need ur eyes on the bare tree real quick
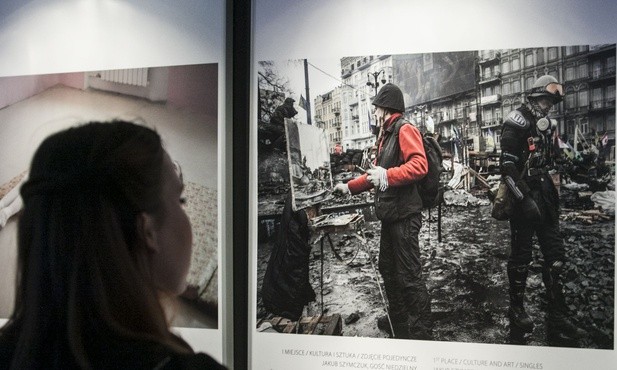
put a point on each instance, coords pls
(273, 88)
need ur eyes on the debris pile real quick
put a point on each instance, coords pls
(466, 277)
(463, 199)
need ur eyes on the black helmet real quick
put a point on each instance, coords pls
(289, 101)
(390, 96)
(547, 86)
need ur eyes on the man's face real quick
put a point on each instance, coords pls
(380, 115)
(545, 104)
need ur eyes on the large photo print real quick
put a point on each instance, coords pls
(464, 196)
(179, 103)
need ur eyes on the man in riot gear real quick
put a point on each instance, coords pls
(400, 164)
(528, 154)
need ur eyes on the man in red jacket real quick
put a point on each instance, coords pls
(400, 164)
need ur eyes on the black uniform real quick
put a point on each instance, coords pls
(527, 156)
(532, 152)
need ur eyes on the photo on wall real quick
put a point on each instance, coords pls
(178, 102)
(386, 264)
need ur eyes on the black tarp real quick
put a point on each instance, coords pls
(286, 288)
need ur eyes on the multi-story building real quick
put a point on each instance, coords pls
(362, 78)
(328, 117)
(588, 75)
(468, 111)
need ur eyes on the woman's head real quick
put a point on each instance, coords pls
(102, 231)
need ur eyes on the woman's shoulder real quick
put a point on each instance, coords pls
(145, 355)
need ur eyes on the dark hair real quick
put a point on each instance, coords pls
(83, 279)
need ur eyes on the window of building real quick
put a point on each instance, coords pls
(584, 125)
(570, 73)
(539, 56)
(487, 72)
(497, 89)
(529, 82)
(505, 88)
(570, 101)
(597, 123)
(570, 128)
(506, 108)
(488, 91)
(610, 65)
(583, 98)
(488, 116)
(583, 72)
(516, 87)
(596, 69)
(596, 98)
(552, 53)
(516, 64)
(505, 67)
(529, 60)
(570, 50)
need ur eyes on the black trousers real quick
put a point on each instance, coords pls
(401, 269)
(546, 229)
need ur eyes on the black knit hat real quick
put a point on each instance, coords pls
(390, 96)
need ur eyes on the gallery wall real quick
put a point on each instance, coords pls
(191, 87)
(55, 37)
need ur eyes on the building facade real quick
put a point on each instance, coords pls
(328, 117)
(587, 73)
(362, 77)
(469, 120)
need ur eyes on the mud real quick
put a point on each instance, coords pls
(465, 275)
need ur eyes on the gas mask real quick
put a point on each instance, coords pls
(546, 125)
(539, 108)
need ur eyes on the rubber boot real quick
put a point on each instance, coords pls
(519, 320)
(561, 331)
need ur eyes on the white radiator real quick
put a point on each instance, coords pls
(134, 76)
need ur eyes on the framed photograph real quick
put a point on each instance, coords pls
(323, 299)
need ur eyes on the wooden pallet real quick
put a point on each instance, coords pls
(312, 325)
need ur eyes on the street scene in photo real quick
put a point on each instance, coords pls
(334, 285)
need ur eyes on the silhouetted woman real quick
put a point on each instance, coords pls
(102, 237)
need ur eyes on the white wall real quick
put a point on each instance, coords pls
(50, 36)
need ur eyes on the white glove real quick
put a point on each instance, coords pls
(341, 188)
(378, 176)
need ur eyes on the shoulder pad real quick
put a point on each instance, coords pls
(516, 119)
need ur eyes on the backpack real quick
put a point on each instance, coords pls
(429, 187)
